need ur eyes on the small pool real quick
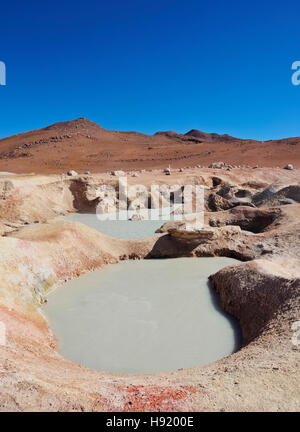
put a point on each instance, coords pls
(144, 316)
(125, 229)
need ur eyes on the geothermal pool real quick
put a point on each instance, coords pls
(144, 316)
(124, 229)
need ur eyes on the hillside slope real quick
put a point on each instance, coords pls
(83, 145)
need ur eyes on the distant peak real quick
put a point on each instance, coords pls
(80, 122)
(170, 134)
(210, 136)
(197, 134)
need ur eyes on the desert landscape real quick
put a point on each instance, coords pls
(83, 145)
(251, 214)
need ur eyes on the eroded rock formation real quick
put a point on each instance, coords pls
(40, 252)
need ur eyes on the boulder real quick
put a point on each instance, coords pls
(184, 232)
(137, 217)
(72, 173)
(192, 233)
(220, 165)
(118, 173)
(167, 226)
(216, 203)
(289, 167)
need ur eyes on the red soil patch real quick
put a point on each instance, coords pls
(155, 398)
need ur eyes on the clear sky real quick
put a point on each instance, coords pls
(218, 66)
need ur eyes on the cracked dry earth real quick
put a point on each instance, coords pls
(39, 251)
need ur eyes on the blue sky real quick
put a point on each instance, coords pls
(222, 66)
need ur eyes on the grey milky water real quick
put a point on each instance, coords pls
(125, 229)
(144, 316)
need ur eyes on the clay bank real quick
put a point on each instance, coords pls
(251, 215)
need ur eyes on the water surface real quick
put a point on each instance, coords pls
(144, 316)
(124, 229)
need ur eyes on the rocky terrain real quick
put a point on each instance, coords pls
(250, 214)
(83, 145)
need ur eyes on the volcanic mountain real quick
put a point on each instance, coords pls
(83, 145)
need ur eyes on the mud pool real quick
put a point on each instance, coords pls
(126, 229)
(144, 316)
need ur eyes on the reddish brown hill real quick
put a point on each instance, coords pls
(83, 145)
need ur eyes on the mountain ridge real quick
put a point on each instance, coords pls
(81, 144)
